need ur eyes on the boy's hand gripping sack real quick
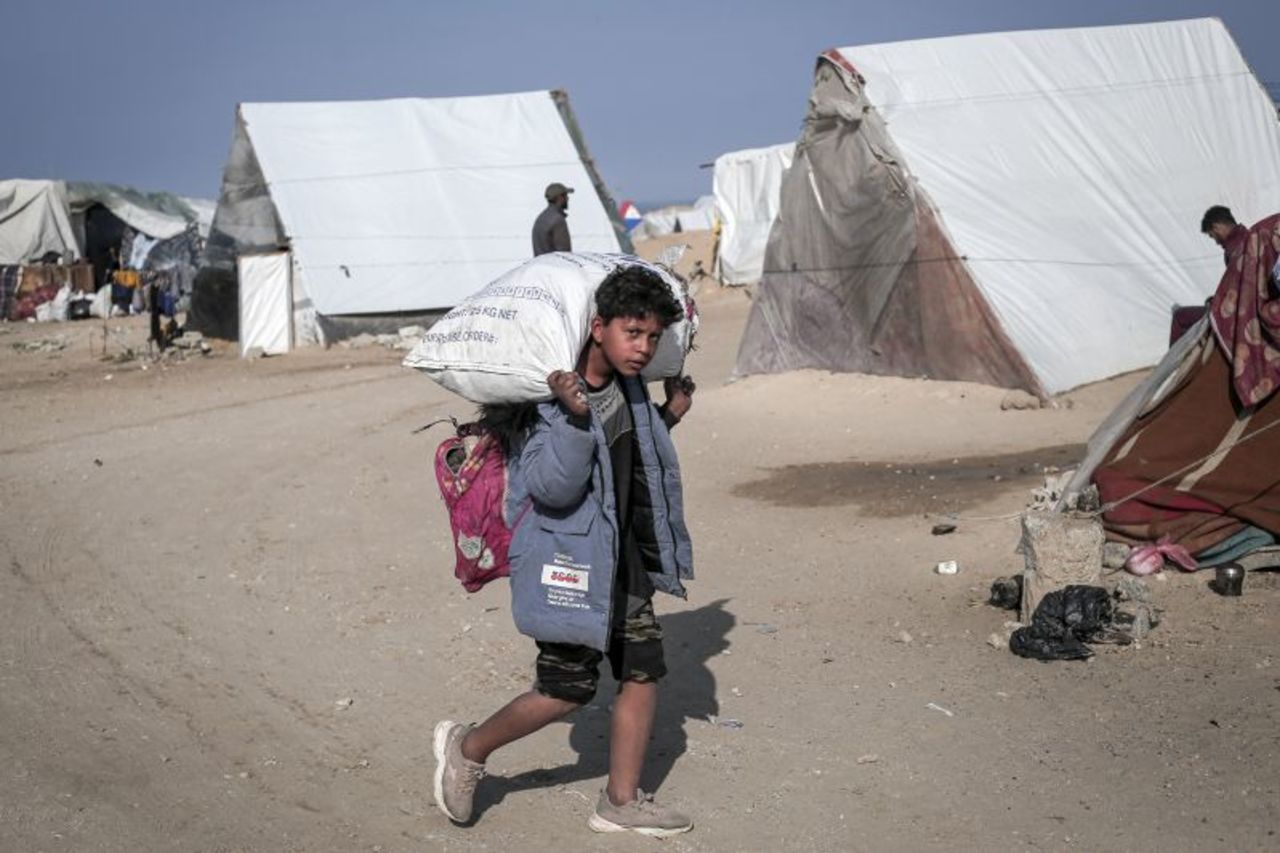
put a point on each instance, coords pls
(500, 344)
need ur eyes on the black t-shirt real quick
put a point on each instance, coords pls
(611, 409)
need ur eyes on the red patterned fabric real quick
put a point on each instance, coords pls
(1245, 311)
(472, 475)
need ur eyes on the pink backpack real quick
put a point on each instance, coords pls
(472, 472)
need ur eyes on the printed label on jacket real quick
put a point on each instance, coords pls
(566, 585)
(565, 577)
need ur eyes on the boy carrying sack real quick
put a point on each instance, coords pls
(596, 510)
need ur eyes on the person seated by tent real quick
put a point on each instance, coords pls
(551, 229)
(1196, 468)
(1245, 309)
(1221, 226)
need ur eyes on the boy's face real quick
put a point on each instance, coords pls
(628, 343)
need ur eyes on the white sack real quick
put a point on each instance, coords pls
(57, 309)
(499, 345)
(101, 306)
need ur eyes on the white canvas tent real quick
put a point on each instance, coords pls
(747, 185)
(35, 219)
(1019, 208)
(40, 216)
(657, 223)
(700, 217)
(677, 218)
(395, 207)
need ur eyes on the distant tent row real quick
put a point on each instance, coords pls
(77, 220)
(747, 186)
(677, 219)
(1018, 209)
(377, 211)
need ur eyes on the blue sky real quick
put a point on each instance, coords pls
(144, 92)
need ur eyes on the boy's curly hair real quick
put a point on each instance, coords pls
(634, 291)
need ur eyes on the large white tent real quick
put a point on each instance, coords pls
(747, 185)
(395, 206)
(1013, 208)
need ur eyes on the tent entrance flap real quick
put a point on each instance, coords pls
(266, 303)
(859, 273)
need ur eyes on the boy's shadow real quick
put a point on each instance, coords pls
(690, 639)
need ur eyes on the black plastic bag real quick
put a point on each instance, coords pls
(1006, 593)
(1064, 621)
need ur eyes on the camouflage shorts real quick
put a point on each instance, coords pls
(572, 672)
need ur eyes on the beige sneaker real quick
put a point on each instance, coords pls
(641, 815)
(456, 776)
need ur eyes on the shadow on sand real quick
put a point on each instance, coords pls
(690, 639)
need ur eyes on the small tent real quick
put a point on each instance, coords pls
(1018, 209)
(678, 218)
(700, 217)
(389, 209)
(1190, 456)
(35, 220)
(747, 185)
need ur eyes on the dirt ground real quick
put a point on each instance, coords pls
(229, 623)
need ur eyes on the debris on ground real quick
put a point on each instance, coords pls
(1150, 559)
(1006, 593)
(943, 529)
(1135, 612)
(52, 344)
(1046, 497)
(1087, 500)
(405, 339)
(359, 341)
(1064, 621)
(947, 567)
(123, 357)
(1115, 555)
(1020, 401)
(191, 341)
(1228, 580)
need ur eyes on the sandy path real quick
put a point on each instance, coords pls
(184, 622)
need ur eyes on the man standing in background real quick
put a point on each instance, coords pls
(551, 228)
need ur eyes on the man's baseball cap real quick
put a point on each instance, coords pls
(556, 189)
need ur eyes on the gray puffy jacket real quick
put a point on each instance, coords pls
(561, 506)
